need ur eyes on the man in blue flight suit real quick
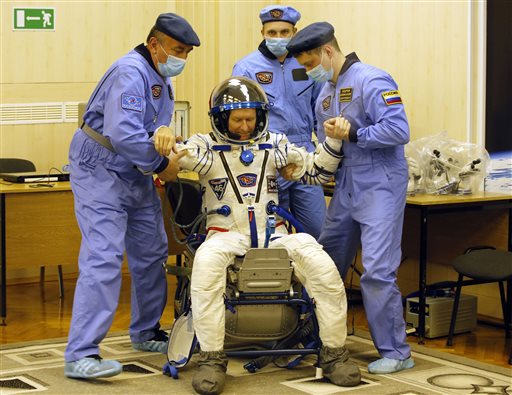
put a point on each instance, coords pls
(112, 159)
(292, 95)
(369, 199)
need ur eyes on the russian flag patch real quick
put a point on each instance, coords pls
(392, 97)
(131, 102)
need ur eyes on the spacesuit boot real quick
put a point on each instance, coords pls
(337, 367)
(210, 378)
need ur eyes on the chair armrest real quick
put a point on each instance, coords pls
(475, 248)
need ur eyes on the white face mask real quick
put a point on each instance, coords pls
(319, 73)
(277, 45)
(172, 67)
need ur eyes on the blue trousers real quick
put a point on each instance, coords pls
(305, 202)
(117, 212)
(367, 209)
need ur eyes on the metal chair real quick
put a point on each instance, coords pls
(17, 165)
(484, 265)
(273, 311)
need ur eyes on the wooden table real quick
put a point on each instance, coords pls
(428, 205)
(38, 228)
(438, 204)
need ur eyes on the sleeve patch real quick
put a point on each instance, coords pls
(392, 97)
(131, 102)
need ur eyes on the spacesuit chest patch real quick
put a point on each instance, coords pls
(218, 186)
(131, 102)
(264, 77)
(247, 180)
(271, 184)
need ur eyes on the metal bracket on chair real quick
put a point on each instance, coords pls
(178, 271)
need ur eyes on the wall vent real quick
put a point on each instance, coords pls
(37, 113)
(32, 113)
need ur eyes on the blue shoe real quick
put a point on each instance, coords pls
(92, 367)
(157, 344)
(387, 365)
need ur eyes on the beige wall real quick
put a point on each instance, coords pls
(423, 45)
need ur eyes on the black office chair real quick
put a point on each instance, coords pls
(17, 165)
(484, 265)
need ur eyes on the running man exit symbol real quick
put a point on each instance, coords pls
(34, 19)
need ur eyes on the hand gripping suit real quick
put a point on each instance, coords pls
(292, 95)
(116, 205)
(369, 199)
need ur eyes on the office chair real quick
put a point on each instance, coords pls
(17, 165)
(484, 265)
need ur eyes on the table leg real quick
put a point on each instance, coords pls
(3, 307)
(423, 273)
(510, 229)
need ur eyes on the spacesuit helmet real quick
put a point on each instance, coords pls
(238, 93)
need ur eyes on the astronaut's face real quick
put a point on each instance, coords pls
(242, 121)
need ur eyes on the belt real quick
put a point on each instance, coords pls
(96, 136)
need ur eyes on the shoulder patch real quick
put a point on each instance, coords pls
(392, 97)
(345, 95)
(218, 186)
(264, 77)
(131, 102)
(247, 180)
(156, 90)
(326, 103)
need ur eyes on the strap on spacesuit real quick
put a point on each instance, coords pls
(252, 227)
(96, 136)
(230, 177)
(262, 176)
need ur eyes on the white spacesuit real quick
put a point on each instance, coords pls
(240, 172)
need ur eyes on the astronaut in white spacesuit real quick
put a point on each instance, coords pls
(237, 166)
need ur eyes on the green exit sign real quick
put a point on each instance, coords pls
(33, 19)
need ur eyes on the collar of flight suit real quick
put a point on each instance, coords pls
(144, 52)
(350, 59)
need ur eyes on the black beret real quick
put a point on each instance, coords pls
(178, 28)
(311, 37)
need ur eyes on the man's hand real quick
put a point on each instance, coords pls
(170, 173)
(337, 128)
(287, 171)
(165, 142)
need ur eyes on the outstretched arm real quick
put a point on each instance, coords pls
(313, 167)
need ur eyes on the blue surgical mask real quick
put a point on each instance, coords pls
(277, 45)
(319, 73)
(172, 67)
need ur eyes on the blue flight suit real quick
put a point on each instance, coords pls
(117, 206)
(292, 95)
(369, 199)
